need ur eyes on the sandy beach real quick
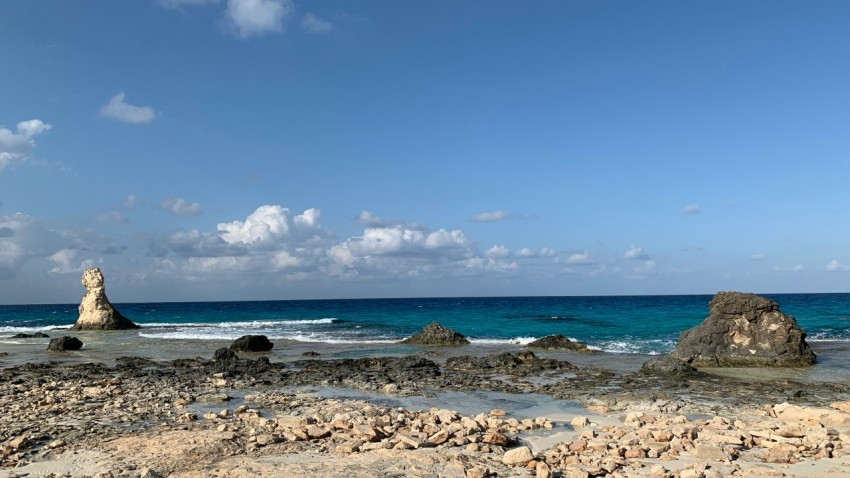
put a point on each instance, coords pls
(444, 411)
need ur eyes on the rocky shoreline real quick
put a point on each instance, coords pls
(228, 417)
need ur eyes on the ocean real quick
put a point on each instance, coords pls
(617, 325)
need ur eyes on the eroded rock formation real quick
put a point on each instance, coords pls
(436, 334)
(96, 313)
(744, 330)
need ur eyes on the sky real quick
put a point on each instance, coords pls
(282, 149)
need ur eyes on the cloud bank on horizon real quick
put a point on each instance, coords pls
(262, 149)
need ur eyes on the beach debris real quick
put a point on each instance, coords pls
(744, 330)
(251, 343)
(558, 342)
(64, 343)
(96, 312)
(436, 334)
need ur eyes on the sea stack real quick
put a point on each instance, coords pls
(744, 330)
(96, 313)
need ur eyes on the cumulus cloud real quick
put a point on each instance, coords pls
(635, 252)
(371, 220)
(120, 110)
(257, 17)
(837, 266)
(498, 251)
(181, 207)
(583, 257)
(64, 258)
(17, 146)
(691, 209)
(492, 216)
(315, 25)
(263, 225)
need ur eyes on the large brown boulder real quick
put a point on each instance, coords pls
(436, 334)
(96, 313)
(744, 330)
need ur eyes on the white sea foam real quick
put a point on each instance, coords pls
(28, 330)
(251, 324)
(514, 341)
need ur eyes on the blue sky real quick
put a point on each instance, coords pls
(272, 149)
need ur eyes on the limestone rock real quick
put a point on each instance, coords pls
(517, 456)
(251, 343)
(96, 313)
(744, 330)
(61, 344)
(558, 342)
(436, 334)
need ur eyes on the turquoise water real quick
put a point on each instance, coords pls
(616, 324)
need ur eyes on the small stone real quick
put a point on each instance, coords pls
(542, 470)
(579, 422)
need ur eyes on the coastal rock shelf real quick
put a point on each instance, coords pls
(436, 334)
(96, 312)
(143, 418)
(744, 330)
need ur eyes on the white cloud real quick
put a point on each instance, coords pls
(498, 251)
(257, 17)
(837, 266)
(120, 110)
(758, 257)
(548, 252)
(797, 268)
(16, 146)
(691, 209)
(584, 257)
(635, 252)
(263, 225)
(525, 252)
(442, 238)
(181, 207)
(492, 216)
(309, 218)
(315, 25)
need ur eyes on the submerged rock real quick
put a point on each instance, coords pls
(251, 343)
(436, 334)
(558, 342)
(37, 335)
(64, 343)
(744, 330)
(96, 313)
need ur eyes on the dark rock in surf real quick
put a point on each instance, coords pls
(558, 342)
(64, 343)
(310, 353)
(744, 330)
(436, 334)
(251, 343)
(37, 335)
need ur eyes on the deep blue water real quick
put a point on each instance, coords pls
(627, 324)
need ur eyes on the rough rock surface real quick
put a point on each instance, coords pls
(96, 313)
(436, 334)
(667, 366)
(745, 330)
(251, 343)
(558, 342)
(61, 344)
